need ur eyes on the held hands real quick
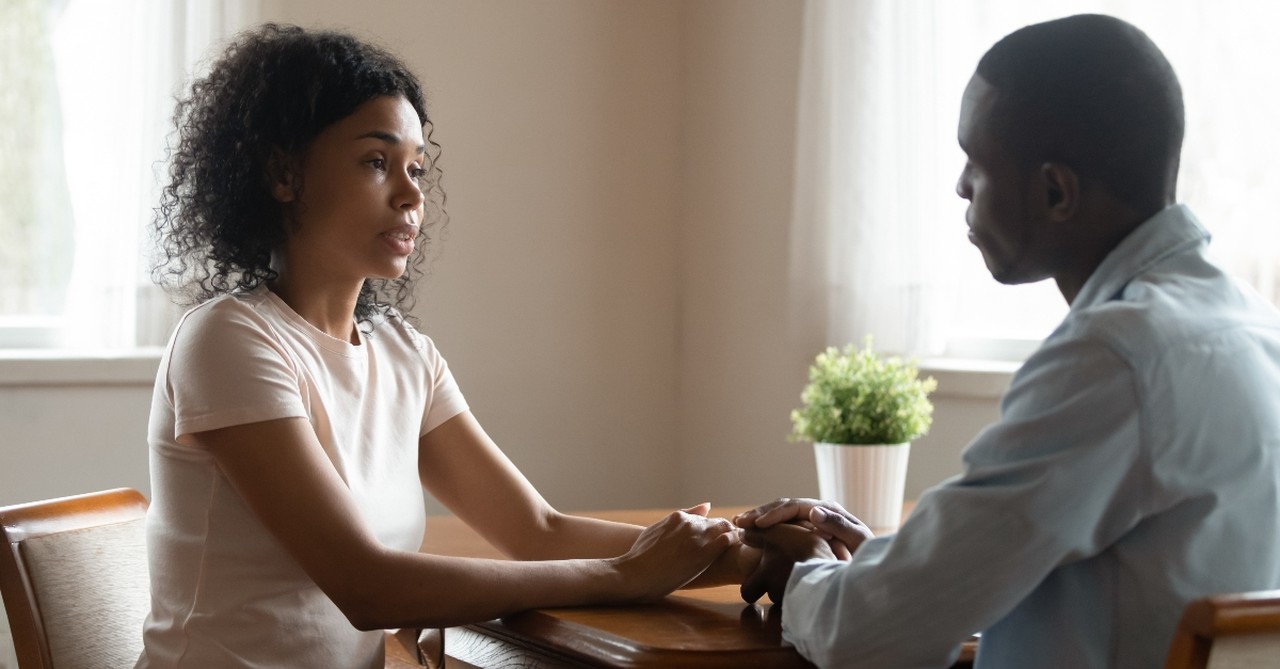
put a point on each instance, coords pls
(673, 551)
(794, 530)
(827, 519)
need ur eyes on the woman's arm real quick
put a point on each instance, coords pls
(283, 474)
(463, 468)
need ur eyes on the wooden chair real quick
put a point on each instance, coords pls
(73, 574)
(1228, 632)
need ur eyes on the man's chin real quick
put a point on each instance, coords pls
(997, 271)
(1013, 276)
(1004, 273)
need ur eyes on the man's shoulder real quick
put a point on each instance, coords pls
(1181, 300)
(1167, 321)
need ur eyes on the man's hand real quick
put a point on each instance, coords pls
(783, 546)
(826, 519)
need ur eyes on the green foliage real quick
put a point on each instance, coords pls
(855, 396)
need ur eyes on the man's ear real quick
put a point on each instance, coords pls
(1061, 190)
(282, 176)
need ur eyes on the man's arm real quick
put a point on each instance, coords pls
(1048, 484)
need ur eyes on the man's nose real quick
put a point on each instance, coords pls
(963, 187)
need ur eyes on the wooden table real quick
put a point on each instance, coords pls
(710, 627)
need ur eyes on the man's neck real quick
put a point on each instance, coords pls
(1106, 230)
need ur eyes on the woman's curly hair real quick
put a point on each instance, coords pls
(273, 90)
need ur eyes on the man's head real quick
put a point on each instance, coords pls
(1076, 117)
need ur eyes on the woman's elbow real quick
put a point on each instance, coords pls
(361, 604)
(385, 602)
(363, 589)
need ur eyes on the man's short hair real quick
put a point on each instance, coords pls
(1095, 93)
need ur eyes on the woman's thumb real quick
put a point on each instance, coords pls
(701, 509)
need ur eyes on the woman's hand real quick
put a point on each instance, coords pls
(733, 565)
(672, 552)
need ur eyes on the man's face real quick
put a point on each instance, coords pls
(998, 188)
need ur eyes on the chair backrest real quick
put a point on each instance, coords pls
(73, 573)
(1228, 632)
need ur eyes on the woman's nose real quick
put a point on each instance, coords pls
(410, 196)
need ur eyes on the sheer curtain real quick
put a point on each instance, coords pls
(35, 218)
(878, 244)
(865, 253)
(118, 68)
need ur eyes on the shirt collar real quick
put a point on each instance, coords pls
(1172, 230)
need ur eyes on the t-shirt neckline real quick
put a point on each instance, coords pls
(324, 339)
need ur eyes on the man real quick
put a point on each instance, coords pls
(1136, 462)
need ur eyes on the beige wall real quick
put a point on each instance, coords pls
(741, 368)
(64, 439)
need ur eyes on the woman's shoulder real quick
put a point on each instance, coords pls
(230, 336)
(394, 326)
(226, 316)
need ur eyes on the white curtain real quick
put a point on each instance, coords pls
(35, 216)
(878, 244)
(865, 225)
(120, 66)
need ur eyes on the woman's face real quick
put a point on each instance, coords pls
(355, 204)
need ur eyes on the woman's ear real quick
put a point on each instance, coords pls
(1061, 190)
(282, 176)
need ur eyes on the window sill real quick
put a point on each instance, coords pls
(968, 377)
(957, 377)
(45, 367)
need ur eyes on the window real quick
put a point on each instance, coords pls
(878, 242)
(1221, 53)
(89, 90)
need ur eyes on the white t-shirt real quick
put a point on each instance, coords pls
(224, 591)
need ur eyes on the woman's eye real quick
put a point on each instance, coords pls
(418, 173)
(378, 164)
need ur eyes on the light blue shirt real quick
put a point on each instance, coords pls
(1135, 466)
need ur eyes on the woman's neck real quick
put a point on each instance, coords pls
(330, 311)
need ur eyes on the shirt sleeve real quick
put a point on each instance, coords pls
(226, 367)
(1043, 486)
(444, 398)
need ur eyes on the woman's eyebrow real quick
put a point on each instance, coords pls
(390, 138)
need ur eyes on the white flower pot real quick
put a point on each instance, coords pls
(868, 481)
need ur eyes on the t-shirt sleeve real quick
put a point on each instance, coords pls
(444, 398)
(227, 367)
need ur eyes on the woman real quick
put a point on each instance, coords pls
(297, 416)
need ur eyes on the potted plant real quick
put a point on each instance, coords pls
(861, 410)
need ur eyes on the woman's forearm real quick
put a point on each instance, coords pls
(420, 590)
(566, 536)
(399, 589)
(572, 536)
